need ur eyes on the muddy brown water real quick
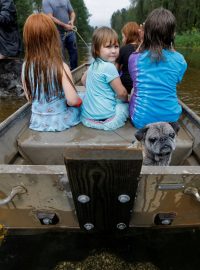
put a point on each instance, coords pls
(145, 249)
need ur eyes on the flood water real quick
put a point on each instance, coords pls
(145, 250)
(189, 89)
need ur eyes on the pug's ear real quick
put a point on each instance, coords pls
(175, 126)
(140, 134)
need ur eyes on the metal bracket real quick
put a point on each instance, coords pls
(15, 190)
(193, 191)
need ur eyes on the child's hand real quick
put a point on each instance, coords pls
(78, 104)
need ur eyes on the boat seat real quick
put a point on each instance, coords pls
(184, 145)
(50, 147)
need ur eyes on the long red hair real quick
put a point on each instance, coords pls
(131, 32)
(43, 57)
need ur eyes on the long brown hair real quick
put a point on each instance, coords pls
(43, 66)
(131, 32)
(159, 31)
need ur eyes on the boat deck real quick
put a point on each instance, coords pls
(103, 165)
(48, 148)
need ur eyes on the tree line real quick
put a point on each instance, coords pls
(27, 7)
(187, 13)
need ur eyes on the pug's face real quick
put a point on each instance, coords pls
(158, 138)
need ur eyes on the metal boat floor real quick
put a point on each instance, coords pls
(43, 148)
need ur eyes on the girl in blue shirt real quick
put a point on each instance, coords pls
(155, 71)
(104, 105)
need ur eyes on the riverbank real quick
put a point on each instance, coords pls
(188, 39)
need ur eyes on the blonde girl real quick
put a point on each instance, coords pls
(104, 105)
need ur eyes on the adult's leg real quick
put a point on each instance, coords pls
(71, 45)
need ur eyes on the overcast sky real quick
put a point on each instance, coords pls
(101, 10)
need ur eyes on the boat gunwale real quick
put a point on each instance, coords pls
(190, 114)
(15, 116)
(61, 169)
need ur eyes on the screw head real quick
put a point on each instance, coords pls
(46, 221)
(166, 222)
(123, 198)
(121, 226)
(88, 226)
(83, 198)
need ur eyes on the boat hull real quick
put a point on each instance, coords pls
(166, 197)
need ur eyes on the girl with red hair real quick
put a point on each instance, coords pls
(46, 79)
(131, 41)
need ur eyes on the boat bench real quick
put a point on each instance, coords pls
(48, 148)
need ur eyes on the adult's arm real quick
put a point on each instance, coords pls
(47, 8)
(72, 17)
(67, 27)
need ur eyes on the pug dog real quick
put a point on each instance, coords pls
(159, 141)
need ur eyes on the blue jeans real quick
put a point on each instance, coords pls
(69, 43)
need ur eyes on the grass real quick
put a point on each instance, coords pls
(188, 39)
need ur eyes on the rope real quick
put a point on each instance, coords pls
(76, 31)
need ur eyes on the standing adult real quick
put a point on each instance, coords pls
(9, 35)
(63, 15)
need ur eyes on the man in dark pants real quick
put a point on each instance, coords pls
(63, 15)
(9, 35)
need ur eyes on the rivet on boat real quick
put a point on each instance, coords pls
(123, 198)
(46, 221)
(83, 198)
(88, 226)
(121, 226)
(166, 222)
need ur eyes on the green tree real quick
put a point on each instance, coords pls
(187, 13)
(121, 17)
(24, 9)
(82, 18)
(37, 5)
